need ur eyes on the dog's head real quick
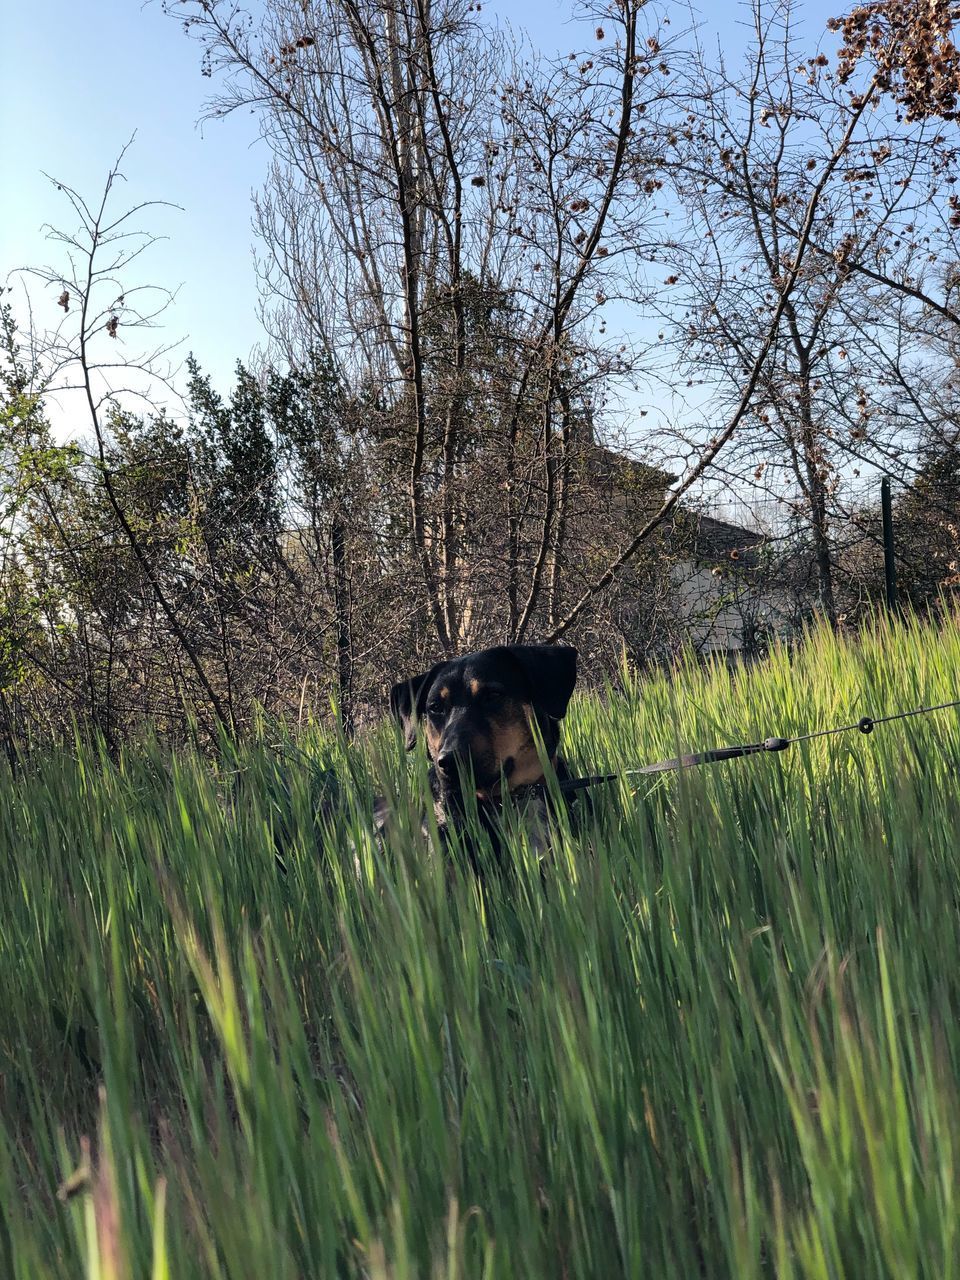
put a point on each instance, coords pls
(479, 711)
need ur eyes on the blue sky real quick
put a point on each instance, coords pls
(77, 79)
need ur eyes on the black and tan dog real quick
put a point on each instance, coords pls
(481, 715)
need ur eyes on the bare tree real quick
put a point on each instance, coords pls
(99, 252)
(758, 145)
(792, 268)
(448, 219)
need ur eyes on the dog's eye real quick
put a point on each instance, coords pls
(490, 697)
(437, 710)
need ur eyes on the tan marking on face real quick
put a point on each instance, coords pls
(511, 735)
(444, 692)
(433, 735)
(474, 686)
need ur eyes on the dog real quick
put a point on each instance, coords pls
(481, 715)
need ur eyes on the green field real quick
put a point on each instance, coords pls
(717, 1035)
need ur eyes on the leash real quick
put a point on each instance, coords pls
(865, 724)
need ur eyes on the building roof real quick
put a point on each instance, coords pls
(613, 462)
(710, 539)
(704, 537)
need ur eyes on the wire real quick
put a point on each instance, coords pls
(865, 724)
(870, 721)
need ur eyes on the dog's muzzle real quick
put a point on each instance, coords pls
(456, 763)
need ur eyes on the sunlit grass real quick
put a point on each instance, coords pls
(716, 1035)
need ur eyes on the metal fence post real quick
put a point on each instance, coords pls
(889, 564)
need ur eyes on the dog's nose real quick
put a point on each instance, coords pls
(447, 761)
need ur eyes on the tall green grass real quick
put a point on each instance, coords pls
(716, 1034)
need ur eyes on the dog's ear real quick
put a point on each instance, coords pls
(551, 670)
(407, 701)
